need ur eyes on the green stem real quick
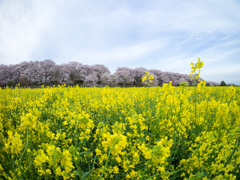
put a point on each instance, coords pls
(167, 173)
(24, 148)
(229, 158)
(195, 103)
(92, 166)
(147, 108)
(44, 166)
(109, 153)
(146, 168)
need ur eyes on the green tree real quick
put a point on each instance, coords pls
(223, 83)
(10, 83)
(23, 81)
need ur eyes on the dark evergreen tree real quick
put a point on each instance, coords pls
(223, 83)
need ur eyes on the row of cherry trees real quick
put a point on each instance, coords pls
(47, 72)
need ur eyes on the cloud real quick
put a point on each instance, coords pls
(22, 24)
(164, 35)
(122, 54)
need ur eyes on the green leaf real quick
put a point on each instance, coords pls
(85, 175)
(84, 153)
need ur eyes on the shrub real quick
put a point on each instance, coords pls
(23, 81)
(10, 83)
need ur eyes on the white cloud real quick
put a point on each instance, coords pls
(22, 24)
(165, 35)
(121, 54)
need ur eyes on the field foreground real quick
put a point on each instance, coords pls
(120, 133)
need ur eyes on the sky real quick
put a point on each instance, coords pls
(155, 34)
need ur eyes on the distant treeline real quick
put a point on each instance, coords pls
(48, 73)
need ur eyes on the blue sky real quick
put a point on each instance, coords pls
(155, 34)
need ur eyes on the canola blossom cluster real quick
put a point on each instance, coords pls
(196, 69)
(147, 79)
(120, 133)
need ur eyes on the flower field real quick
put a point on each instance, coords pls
(120, 133)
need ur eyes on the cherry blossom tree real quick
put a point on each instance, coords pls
(125, 76)
(4, 75)
(109, 79)
(99, 70)
(44, 72)
(48, 72)
(138, 74)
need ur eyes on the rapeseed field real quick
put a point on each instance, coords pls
(120, 133)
